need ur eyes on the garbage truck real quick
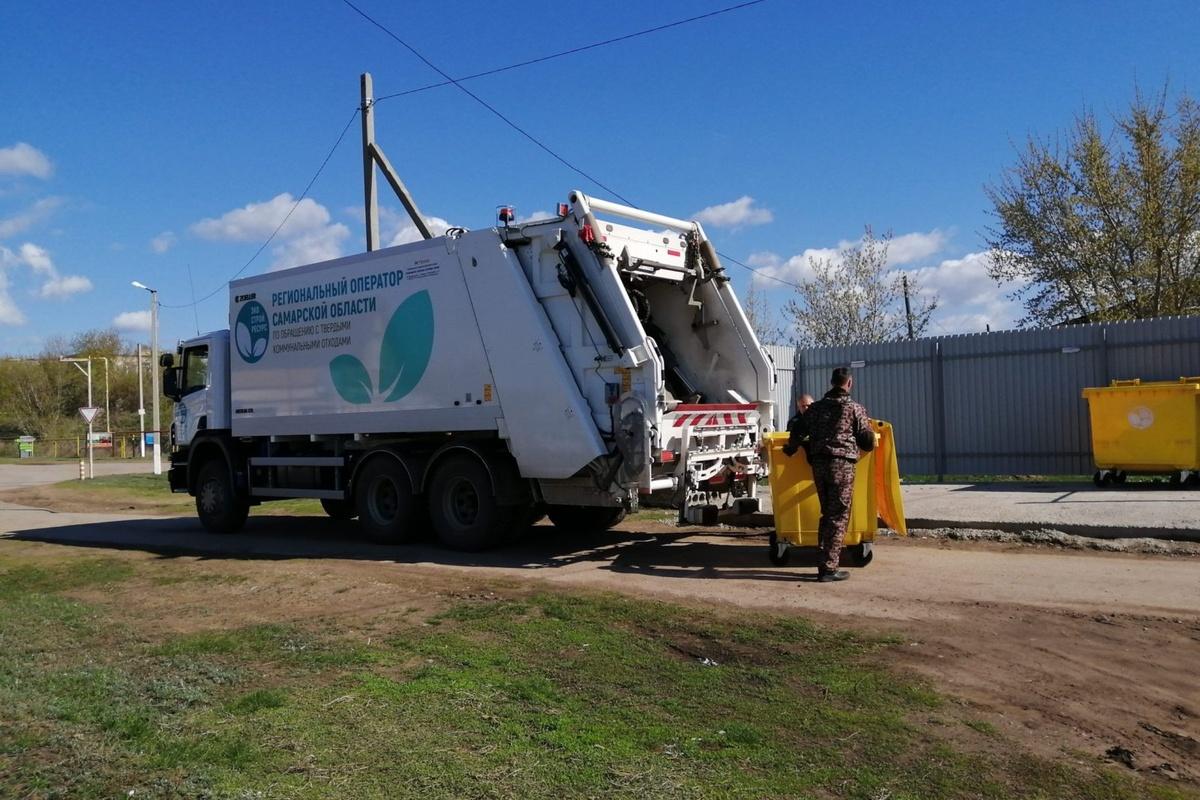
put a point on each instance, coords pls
(472, 383)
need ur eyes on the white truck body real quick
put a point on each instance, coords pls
(608, 360)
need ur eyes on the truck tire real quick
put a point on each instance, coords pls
(219, 507)
(339, 509)
(584, 519)
(383, 499)
(463, 507)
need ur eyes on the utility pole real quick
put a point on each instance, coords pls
(154, 388)
(141, 408)
(373, 155)
(370, 198)
(907, 307)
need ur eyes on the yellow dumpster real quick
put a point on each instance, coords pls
(798, 511)
(1145, 427)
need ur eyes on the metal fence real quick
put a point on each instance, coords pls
(1002, 403)
(785, 370)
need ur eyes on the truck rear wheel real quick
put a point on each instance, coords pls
(463, 507)
(383, 498)
(585, 519)
(219, 507)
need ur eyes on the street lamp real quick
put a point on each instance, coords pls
(154, 388)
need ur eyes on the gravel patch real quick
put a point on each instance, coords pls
(1049, 537)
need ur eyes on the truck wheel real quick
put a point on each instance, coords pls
(219, 507)
(339, 509)
(383, 499)
(585, 519)
(463, 507)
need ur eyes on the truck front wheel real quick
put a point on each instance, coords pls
(383, 498)
(463, 507)
(219, 507)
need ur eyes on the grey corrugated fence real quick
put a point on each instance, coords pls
(1002, 403)
(785, 369)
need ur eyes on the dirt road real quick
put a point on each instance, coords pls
(1067, 652)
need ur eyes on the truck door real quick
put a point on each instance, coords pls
(192, 410)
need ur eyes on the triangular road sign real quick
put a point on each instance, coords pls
(89, 413)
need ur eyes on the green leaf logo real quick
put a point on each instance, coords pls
(407, 345)
(350, 378)
(403, 356)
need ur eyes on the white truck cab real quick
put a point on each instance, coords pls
(202, 387)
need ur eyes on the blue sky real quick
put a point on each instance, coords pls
(141, 140)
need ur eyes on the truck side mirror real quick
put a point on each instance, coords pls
(166, 360)
(171, 383)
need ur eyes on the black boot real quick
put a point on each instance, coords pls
(829, 576)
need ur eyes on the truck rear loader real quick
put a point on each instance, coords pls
(470, 383)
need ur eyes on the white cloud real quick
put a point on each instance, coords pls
(9, 313)
(24, 159)
(736, 214)
(322, 244)
(916, 246)
(796, 269)
(38, 259)
(132, 321)
(11, 226)
(256, 221)
(396, 228)
(903, 249)
(308, 235)
(534, 217)
(163, 242)
(65, 286)
(970, 300)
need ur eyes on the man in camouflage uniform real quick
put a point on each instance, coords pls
(836, 428)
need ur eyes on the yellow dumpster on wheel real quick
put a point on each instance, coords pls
(797, 510)
(1145, 428)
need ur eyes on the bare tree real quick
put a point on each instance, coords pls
(1104, 227)
(856, 298)
(767, 324)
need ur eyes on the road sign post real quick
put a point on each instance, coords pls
(89, 413)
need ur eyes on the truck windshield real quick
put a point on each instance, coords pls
(195, 369)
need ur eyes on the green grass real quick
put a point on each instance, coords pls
(123, 491)
(544, 696)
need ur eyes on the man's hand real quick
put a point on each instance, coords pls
(789, 450)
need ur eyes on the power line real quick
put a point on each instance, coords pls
(457, 83)
(573, 50)
(485, 104)
(759, 272)
(282, 222)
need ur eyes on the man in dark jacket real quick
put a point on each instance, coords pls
(836, 429)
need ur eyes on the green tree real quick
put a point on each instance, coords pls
(856, 298)
(1105, 226)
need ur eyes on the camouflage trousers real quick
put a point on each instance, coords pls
(834, 480)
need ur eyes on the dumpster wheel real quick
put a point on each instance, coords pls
(779, 551)
(859, 555)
